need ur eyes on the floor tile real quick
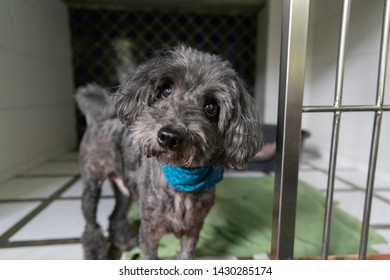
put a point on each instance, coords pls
(385, 195)
(353, 203)
(319, 180)
(359, 178)
(385, 233)
(305, 167)
(76, 189)
(49, 252)
(11, 213)
(381, 248)
(55, 168)
(22, 188)
(320, 159)
(61, 219)
(320, 163)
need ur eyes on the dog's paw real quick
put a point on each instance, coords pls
(94, 244)
(184, 256)
(122, 236)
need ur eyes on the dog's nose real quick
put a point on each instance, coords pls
(168, 138)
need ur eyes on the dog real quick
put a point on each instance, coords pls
(163, 140)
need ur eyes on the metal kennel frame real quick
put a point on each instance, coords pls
(292, 69)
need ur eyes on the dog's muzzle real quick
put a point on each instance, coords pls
(169, 139)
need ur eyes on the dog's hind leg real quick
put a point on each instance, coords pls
(122, 238)
(93, 241)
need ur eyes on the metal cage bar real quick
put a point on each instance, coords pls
(345, 108)
(292, 70)
(376, 130)
(295, 13)
(337, 109)
(336, 128)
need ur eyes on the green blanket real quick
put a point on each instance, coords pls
(239, 223)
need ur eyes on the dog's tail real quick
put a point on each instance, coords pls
(95, 103)
(125, 61)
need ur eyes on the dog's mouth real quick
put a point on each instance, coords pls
(164, 156)
(173, 158)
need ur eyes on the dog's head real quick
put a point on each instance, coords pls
(190, 109)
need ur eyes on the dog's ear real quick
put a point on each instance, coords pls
(134, 95)
(243, 137)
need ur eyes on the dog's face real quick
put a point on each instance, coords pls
(190, 109)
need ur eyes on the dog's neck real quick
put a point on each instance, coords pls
(189, 180)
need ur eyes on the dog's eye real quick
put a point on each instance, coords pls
(211, 109)
(165, 90)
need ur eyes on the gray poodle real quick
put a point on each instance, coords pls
(163, 142)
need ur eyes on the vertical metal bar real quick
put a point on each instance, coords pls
(292, 70)
(341, 53)
(376, 131)
(330, 186)
(336, 128)
(383, 55)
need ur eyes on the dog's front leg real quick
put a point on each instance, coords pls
(149, 238)
(188, 243)
(121, 235)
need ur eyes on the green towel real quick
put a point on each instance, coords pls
(239, 223)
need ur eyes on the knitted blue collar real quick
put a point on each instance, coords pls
(189, 180)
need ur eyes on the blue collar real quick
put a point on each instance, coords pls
(189, 180)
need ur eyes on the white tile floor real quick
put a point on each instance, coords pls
(62, 219)
(33, 188)
(13, 212)
(40, 213)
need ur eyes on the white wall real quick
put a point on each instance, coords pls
(359, 82)
(36, 104)
(272, 64)
(360, 78)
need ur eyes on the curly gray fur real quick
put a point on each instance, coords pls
(196, 78)
(183, 107)
(95, 103)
